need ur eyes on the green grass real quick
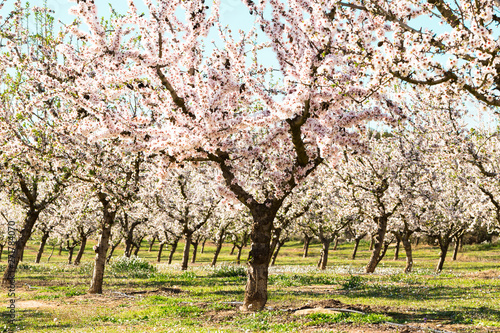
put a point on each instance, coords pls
(143, 296)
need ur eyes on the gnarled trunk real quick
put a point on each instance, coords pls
(258, 258)
(101, 250)
(336, 244)
(138, 247)
(79, 255)
(216, 254)
(185, 255)
(232, 249)
(16, 255)
(378, 243)
(43, 241)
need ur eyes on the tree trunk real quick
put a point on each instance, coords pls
(79, 255)
(324, 253)
(258, 258)
(372, 242)
(51, 253)
(42, 246)
(356, 245)
(307, 241)
(60, 249)
(457, 247)
(172, 251)
(160, 250)
(276, 251)
(232, 249)
(195, 251)
(128, 247)
(336, 243)
(1, 250)
(417, 240)
(70, 254)
(101, 250)
(444, 250)
(185, 255)
(138, 247)
(216, 254)
(203, 246)
(15, 256)
(378, 241)
(238, 256)
(151, 243)
(113, 247)
(396, 252)
(408, 252)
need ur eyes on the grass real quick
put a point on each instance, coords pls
(143, 296)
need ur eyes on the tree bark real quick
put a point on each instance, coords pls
(101, 250)
(232, 249)
(396, 251)
(324, 253)
(185, 255)
(128, 246)
(336, 243)
(307, 241)
(276, 252)
(409, 254)
(79, 255)
(70, 254)
(203, 246)
(378, 243)
(113, 247)
(457, 247)
(60, 249)
(355, 250)
(151, 243)
(172, 251)
(443, 244)
(138, 247)
(160, 250)
(1, 250)
(195, 251)
(216, 254)
(16, 255)
(51, 253)
(372, 242)
(45, 236)
(258, 258)
(238, 256)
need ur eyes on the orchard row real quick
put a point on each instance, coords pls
(138, 124)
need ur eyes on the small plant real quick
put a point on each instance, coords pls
(354, 282)
(345, 317)
(133, 267)
(229, 271)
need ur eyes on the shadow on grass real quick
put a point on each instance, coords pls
(464, 316)
(27, 320)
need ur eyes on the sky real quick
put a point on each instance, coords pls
(234, 14)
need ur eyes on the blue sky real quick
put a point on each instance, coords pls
(233, 13)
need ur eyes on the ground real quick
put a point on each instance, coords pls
(51, 297)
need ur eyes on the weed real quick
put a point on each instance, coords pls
(229, 271)
(346, 317)
(353, 282)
